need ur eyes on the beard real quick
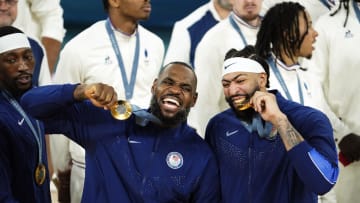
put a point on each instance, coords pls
(247, 114)
(179, 117)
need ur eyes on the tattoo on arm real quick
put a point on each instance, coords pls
(289, 135)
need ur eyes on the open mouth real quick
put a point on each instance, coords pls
(172, 103)
(23, 79)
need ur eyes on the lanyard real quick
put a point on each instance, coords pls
(327, 4)
(129, 87)
(357, 10)
(37, 134)
(237, 28)
(279, 77)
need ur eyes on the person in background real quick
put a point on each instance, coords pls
(152, 156)
(286, 37)
(236, 31)
(269, 149)
(117, 51)
(188, 32)
(316, 8)
(23, 163)
(335, 64)
(43, 20)
(41, 74)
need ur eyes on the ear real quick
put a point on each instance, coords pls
(262, 80)
(114, 3)
(194, 99)
(153, 87)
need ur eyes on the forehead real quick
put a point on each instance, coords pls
(178, 72)
(302, 20)
(16, 51)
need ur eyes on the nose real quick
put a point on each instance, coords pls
(233, 89)
(175, 89)
(314, 32)
(23, 66)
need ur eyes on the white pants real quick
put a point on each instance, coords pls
(76, 183)
(348, 185)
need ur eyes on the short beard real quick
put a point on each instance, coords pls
(247, 114)
(244, 115)
(179, 117)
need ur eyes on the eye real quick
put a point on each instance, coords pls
(186, 88)
(225, 84)
(167, 82)
(239, 81)
(28, 57)
(11, 60)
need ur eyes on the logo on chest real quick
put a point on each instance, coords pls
(174, 160)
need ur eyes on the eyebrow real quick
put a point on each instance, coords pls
(234, 78)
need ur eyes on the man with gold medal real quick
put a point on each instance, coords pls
(143, 155)
(23, 163)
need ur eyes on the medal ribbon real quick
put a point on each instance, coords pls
(237, 28)
(37, 134)
(129, 87)
(143, 117)
(357, 10)
(327, 4)
(271, 62)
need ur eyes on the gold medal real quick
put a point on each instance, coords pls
(122, 110)
(40, 174)
(242, 104)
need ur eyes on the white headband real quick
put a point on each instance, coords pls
(13, 41)
(240, 64)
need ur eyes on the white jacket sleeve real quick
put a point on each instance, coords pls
(40, 18)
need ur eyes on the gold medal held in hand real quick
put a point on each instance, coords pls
(40, 174)
(122, 110)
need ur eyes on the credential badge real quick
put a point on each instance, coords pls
(174, 160)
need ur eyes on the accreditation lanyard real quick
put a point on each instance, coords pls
(129, 87)
(37, 134)
(237, 28)
(327, 4)
(279, 77)
(357, 10)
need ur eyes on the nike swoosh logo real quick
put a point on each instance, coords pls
(20, 122)
(133, 141)
(228, 134)
(229, 65)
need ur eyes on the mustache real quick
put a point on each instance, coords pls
(24, 74)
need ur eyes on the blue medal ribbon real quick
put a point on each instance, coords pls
(129, 87)
(271, 62)
(37, 134)
(357, 10)
(143, 117)
(237, 28)
(327, 4)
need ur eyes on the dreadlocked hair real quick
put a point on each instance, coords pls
(279, 30)
(344, 3)
(250, 53)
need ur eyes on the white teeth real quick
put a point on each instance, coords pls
(172, 101)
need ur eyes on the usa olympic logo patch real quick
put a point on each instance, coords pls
(174, 160)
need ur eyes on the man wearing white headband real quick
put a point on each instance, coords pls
(269, 149)
(23, 163)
